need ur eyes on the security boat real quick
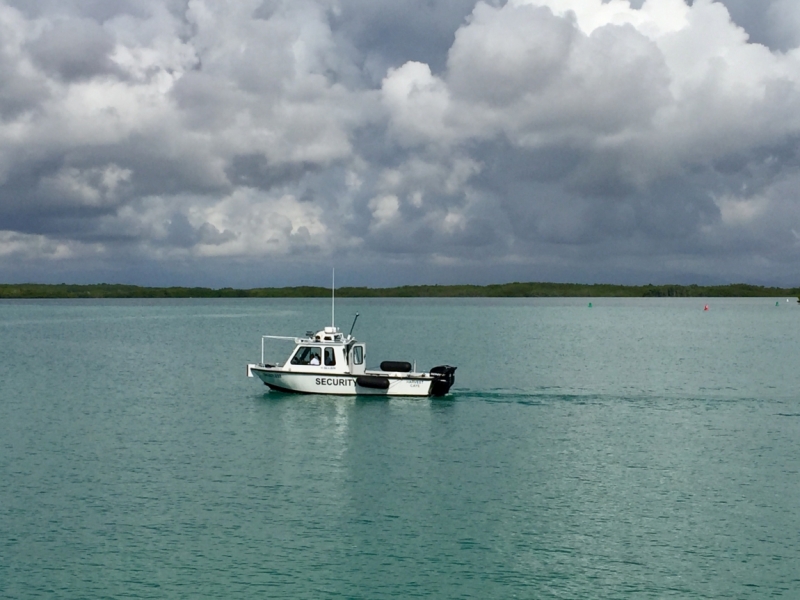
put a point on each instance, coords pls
(330, 362)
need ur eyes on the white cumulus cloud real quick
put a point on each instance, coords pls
(528, 139)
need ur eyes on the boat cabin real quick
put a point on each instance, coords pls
(327, 351)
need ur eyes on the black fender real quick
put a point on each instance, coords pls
(372, 381)
(396, 366)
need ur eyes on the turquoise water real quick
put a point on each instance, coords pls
(636, 449)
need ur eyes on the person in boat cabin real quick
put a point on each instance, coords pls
(330, 359)
(314, 360)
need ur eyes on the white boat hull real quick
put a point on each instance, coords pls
(399, 384)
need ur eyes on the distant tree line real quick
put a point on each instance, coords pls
(506, 290)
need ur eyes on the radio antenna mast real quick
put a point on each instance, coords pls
(353, 326)
(333, 288)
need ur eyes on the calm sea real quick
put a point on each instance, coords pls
(633, 449)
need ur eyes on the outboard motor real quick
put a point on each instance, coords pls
(443, 378)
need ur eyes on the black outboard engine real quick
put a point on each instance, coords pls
(443, 378)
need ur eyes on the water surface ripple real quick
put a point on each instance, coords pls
(639, 448)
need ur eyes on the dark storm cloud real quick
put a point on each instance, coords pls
(773, 23)
(528, 139)
(253, 170)
(99, 10)
(388, 34)
(19, 93)
(74, 49)
(181, 233)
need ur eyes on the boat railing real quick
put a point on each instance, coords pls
(275, 337)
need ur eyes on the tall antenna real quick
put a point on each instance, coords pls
(333, 288)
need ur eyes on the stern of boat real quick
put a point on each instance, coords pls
(443, 379)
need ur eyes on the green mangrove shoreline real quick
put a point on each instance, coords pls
(506, 290)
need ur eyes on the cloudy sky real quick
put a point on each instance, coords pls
(256, 143)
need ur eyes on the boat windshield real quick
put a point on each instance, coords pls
(307, 355)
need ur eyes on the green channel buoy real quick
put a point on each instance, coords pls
(777, 304)
(590, 305)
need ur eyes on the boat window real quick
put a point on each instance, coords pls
(358, 355)
(330, 359)
(307, 355)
